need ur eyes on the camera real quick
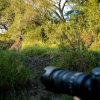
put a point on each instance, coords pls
(85, 86)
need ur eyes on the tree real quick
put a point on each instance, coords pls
(86, 17)
(21, 14)
(57, 5)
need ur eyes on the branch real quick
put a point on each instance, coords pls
(58, 6)
(61, 13)
(59, 3)
(54, 2)
(56, 13)
(64, 5)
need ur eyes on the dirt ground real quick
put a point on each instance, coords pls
(35, 89)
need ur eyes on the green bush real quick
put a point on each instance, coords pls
(75, 61)
(12, 70)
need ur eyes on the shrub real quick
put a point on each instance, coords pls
(75, 61)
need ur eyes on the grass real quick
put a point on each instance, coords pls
(18, 94)
(38, 48)
(13, 71)
(76, 61)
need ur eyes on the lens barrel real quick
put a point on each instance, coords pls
(63, 81)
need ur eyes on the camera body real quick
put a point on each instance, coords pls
(85, 86)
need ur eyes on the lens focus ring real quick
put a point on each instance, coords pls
(71, 83)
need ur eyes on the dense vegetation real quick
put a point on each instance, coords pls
(73, 42)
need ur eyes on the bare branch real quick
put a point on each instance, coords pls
(56, 13)
(54, 2)
(64, 5)
(58, 6)
(59, 3)
(61, 13)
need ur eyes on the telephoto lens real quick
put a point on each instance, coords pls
(85, 86)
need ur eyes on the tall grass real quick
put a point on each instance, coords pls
(38, 48)
(13, 71)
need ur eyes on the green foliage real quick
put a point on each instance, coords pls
(75, 61)
(5, 37)
(40, 49)
(21, 14)
(12, 70)
(3, 6)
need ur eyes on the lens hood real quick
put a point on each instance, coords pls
(45, 78)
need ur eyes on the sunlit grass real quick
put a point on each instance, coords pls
(32, 48)
(33, 43)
